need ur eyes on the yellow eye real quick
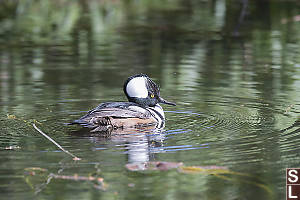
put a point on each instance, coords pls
(152, 95)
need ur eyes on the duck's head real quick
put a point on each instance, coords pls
(142, 90)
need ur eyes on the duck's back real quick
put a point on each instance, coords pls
(112, 115)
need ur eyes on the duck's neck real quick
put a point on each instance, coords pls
(157, 112)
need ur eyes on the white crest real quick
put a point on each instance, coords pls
(136, 87)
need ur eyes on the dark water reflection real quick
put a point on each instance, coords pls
(235, 80)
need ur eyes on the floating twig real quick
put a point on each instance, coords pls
(51, 140)
(34, 175)
(75, 177)
(99, 182)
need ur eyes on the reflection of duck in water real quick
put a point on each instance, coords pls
(142, 110)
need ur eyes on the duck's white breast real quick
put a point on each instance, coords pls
(158, 113)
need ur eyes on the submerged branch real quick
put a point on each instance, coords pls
(51, 140)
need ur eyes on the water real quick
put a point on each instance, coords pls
(235, 79)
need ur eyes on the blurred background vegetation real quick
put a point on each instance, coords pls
(58, 19)
(82, 42)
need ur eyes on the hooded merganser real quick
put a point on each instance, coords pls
(141, 110)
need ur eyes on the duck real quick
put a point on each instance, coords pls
(141, 110)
